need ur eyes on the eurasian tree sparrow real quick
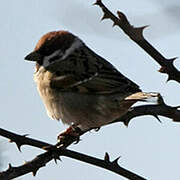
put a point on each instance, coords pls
(79, 87)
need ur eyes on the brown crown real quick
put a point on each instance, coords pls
(53, 41)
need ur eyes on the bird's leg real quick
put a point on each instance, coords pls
(70, 135)
(67, 137)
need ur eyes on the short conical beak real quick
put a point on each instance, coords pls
(33, 56)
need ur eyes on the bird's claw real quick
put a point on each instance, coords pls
(72, 134)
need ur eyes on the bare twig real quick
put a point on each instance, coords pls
(54, 153)
(136, 34)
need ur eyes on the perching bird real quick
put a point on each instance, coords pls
(79, 87)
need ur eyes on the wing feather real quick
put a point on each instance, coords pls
(87, 72)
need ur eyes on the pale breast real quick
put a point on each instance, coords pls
(49, 96)
(85, 110)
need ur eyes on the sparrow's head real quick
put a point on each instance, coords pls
(56, 45)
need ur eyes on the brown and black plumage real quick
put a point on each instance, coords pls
(77, 85)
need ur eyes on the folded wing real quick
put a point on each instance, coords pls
(86, 72)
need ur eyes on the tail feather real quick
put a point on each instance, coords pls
(143, 96)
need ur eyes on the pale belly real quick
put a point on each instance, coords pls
(85, 111)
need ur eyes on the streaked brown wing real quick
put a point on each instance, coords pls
(86, 72)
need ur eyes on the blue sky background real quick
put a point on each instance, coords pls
(146, 147)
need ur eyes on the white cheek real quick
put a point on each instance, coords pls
(47, 59)
(59, 55)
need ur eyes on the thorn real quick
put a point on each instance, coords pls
(106, 157)
(157, 118)
(121, 16)
(144, 27)
(25, 135)
(116, 160)
(105, 16)
(18, 146)
(138, 32)
(126, 123)
(98, 2)
(77, 140)
(172, 59)
(57, 159)
(114, 24)
(55, 156)
(34, 172)
(141, 29)
(97, 129)
(169, 78)
(160, 100)
(10, 166)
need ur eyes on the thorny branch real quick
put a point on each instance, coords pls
(54, 153)
(155, 110)
(136, 34)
